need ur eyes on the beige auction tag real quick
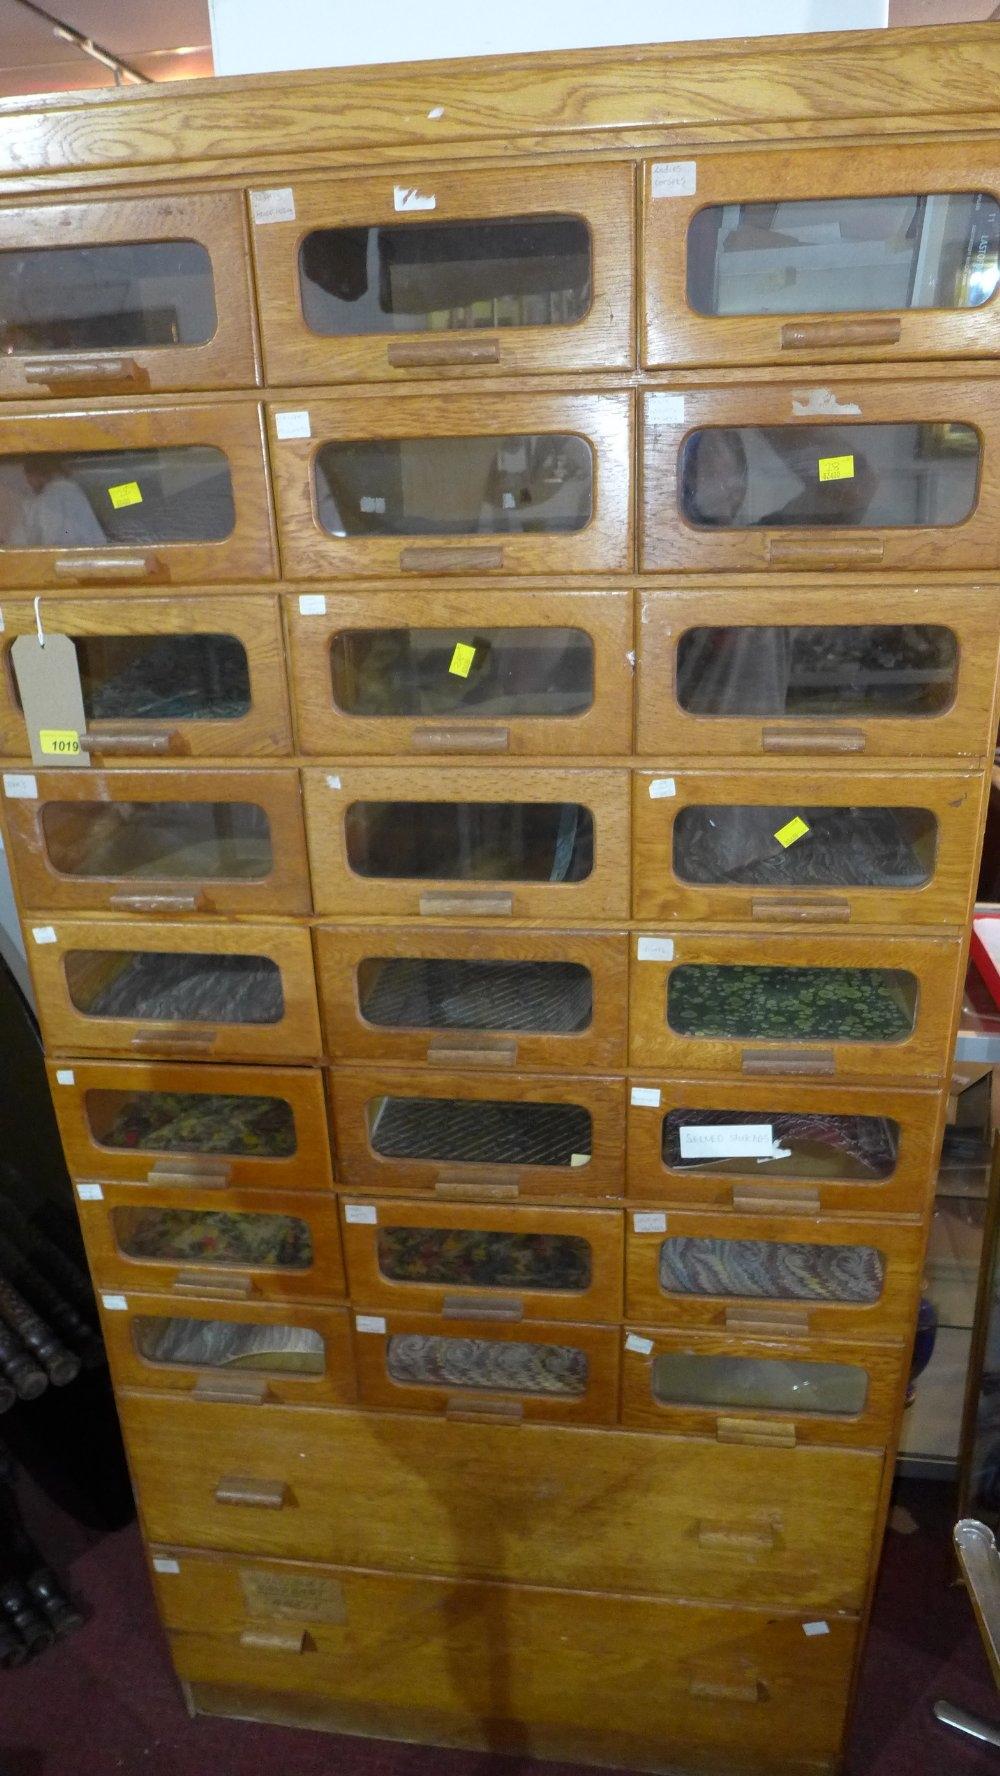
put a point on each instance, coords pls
(48, 679)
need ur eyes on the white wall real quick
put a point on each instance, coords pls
(255, 36)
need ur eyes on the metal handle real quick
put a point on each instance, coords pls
(425, 558)
(475, 1411)
(481, 906)
(800, 335)
(491, 1052)
(775, 1318)
(812, 740)
(476, 1190)
(230, 1390)
(801, 912)
(746, 1538)
(444, 351)
(755, 1430)
(767, 1199)
(233, 1284)
(159, 903)
(265, 1495)
(460, 739)
(269, 1640)
(820, 551)
(818, 1061)
(105, 372)
(154, 740)
(175, 1171)
(185, 1040)
(106, 567)
(471, 1307)
(713, 1689)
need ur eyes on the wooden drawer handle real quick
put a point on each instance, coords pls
(476, 1189)
(768, 1199)
(424, 558)
(482, 906)
(270, 1640)
(471, 1307)
(819, 551)
(264, 1495)
(106, 567)
(230, 1390)
(460, 739)
(154, 740)
(775, 1318)
(185, 1040)
(475, 1411)
(101, 373)
(233, 1284)
(801, 912)
(745, 1538)
(443, 351)
(756, 1430)
(813, 740)
(718, 1690)
(812, 1061)
(800, 335)
(175, 1171)
(158, 903)
(442, 1053)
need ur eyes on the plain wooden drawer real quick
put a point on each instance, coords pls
(533, 1504)
(454, 996)
(688, 1681)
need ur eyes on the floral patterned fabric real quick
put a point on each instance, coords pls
(213, 1236)
(483, 1260)
(771, 1270)
(481, 1363)
(200, 1122)
(749, 1003)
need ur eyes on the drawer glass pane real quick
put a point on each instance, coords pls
(474, 1258)
(192, 1122)
(689, 1378)
(750, 1003)
(471, 841)
(863, 476)
(500, 673)
(167, 987)
(416, 992)
(844, 255)
(228, 1344)
(212, 1236)
(84, 499)
(432, 1361)
(512, 271)
(532, 484)
(115, 297)
(771, 1270)
(906, 669)
(858, 1149)
(163, 677)
(805, 847)
(480, 1131)
(182, 841)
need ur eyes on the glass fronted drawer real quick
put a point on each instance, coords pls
(858, 1006)
(552, 1000)
(158, 841)
(439, 671)
(116, 297)
(476, 484)
(816, 673)
(864, 475)
(511, 269)
(134, 495)
(238, 1352)
(483, 1260)
(783, 1148)
(162, 677)
(827, 253)
(466, 1369)
(226, 992)
(777, 1391)
(489, 1136)
(868, 849)
(194, 1124)
(454, 842)
(184, 1241)
(785, 1274)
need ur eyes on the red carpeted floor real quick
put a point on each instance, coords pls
(103, 1703)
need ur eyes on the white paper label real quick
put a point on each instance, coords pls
(407, 197)
(675, 178)
(664, 409)
(634, 1342)
(312, 604)
(727, 1140)
(161, 1564)
(20, 786)
(579, 1159)
(369, 1322)
(661, 787)
(65, 1076)
(294, 424)
(812, 1628)
(275, 205)
(2, 623)
(117, 1304)
(777, 1152)
(333, 782)
(365, 1214)
(372, 502)
(646, 1094)
(655, 949)
(90, 1193)
(649, 1221)
(44, 934)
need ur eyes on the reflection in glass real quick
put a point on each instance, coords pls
(888, 477)
(905, 669)
(108, 297)
(810, 1144)
(166, 987)
(480, 1131)
(510, 271)
(527, 485)
(502, 674)
(214, 1236)
(771, 1270)
(82, 499)
(841, 847)
(749, 1003)
(479, 1258)
(471, 841)
(228, 1344)
(513, 1368)
(414, 992)
(842, 255)
(163, 677)
(192, 1122)
(688, 1378)
(182, 841)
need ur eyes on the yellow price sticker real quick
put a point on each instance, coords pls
(461, 659)
(836, 468)
(793, 829)
(59, 742)
(127, 493)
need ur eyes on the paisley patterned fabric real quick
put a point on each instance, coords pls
(819, 1146)
(200, 1122)
(771, 1270)
(212, 1236)
(784, 1004)
(480, 1363)
(479, 1131)
(483, 1260)
(844, 847)
(413, 992)
(228, 1344)
(169, 988)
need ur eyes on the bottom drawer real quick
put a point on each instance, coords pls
(535, 1504)
(614, 1680)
